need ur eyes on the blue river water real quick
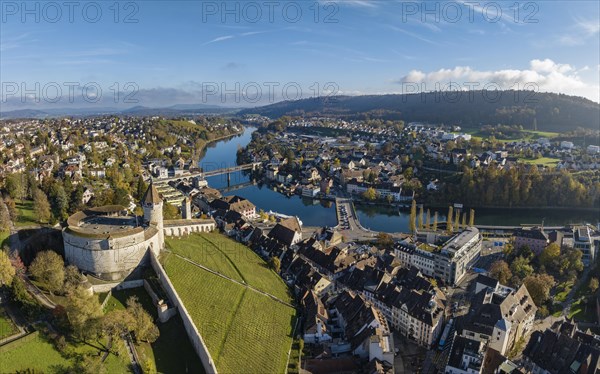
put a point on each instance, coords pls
(378, 218)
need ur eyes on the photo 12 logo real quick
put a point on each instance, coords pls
(269, 11)
(265, 92)
(69, 92)
(469, 11)
(454, 92)
(69, 11)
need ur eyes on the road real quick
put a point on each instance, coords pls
(349, 224)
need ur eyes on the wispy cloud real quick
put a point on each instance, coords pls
(579, 32)
(219, 39)
(412, 34)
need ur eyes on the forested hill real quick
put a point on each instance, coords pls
(473, 109)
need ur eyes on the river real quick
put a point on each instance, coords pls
(378, 218)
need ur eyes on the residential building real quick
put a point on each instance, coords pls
(532, 237)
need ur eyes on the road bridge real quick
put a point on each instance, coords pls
(211, 173)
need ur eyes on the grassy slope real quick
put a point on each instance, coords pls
(226, 256)
(4, 238)
(26, 214)
(244, 331)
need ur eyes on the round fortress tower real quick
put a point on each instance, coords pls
(152, 203)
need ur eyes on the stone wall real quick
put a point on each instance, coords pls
(97, 288)
(182, 230)
(110, 259)
(188, 323)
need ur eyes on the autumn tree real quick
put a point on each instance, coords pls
(143, 327)
(539, 287)
(370, 194)
(593, 285)
(428, 219)
(117, 322)
(49, 269)
(7, 271)
(501, 271)
(83, 312)
(41, 206)
(420, 218)
(412, 218)
(275, 264)
(550, 255)
(435, 221)
(449, 227)
(472, 218)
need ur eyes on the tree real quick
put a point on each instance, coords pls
(140, 189)
(550, 255)
(143, 327)
(49, 269)
(4, 216)
(428, 220)
(435, 221)
(275, 264)
(117, 322)
(370, 194)
(12, 208)
(472, 218)
(457, 220)
(521, 268)
(41, 206)
(59, 201)
(501, 272)
(464, 220)
(593, 284)
(420, 218)
(73, 277)
(83, 312)
(539, 287)
(7, 271)
(170, 211)
(449, 227)
(384, 240)
(413, 216)
(14, 186)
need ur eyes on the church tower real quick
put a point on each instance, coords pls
(152, 204)
(186, 209)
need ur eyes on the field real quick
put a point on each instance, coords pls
(243, 329)
(171, 353)
(232, 259)
(529, 135)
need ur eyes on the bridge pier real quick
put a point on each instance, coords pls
(228, 179)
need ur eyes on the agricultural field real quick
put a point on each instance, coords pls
(232, 259)
(243, 329)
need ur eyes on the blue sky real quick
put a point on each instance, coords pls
(174, 51)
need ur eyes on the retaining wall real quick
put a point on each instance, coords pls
(188, 323)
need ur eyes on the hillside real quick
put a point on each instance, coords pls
(553, 112)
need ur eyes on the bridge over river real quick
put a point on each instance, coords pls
(211, 173)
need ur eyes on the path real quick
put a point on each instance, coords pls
(135, 364)
(244, 284)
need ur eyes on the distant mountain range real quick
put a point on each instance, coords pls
(473, 109)
(175, 110)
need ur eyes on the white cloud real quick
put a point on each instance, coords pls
(541, 75)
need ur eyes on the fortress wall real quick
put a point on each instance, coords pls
(183, 230)
(190, 328)
(93, 255)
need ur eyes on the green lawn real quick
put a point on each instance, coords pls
(562, 291)
(172, 352)
(226, 256)
(40, 354)
(245, 331)
(546, 161)
(26, 213)
(7, 327)
(4, 238)
(583, 312)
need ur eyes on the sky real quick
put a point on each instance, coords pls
(249, 53)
